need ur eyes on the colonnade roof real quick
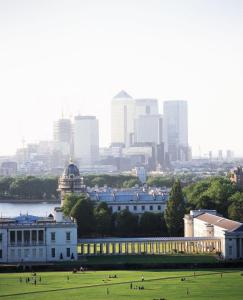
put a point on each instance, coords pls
(147, 239)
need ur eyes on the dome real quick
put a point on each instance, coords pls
(71, 170)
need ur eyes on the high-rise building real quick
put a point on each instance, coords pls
(175, 130)
(148, 129)
(62, 136)
(86, 139)
(146, 107)
(122, 119)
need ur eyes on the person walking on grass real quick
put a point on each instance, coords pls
(142, 277)
(131, 286)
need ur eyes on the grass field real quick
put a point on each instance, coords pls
(205, 284)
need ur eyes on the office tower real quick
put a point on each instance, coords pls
(122, 119)
(146, 107)
(229, 155)
(220, 155)
(86, 139)
(62, 135)
(175, 130)
(148, 129)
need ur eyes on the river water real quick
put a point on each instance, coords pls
(36, 209)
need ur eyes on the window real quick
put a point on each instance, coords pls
(12, 253)
(19, 253)
(53, 236)
(230, 250)
(134, 207)
(1, 253)
(53, 252)
(26, 253)
(26, 236)
(41, 236)
(40, 252)
(34, 236)
(68, 236)
(159, 207)
(19, 236)
(12, 237)
(34, 252)
(127, 207)
(143, 207)
(119, 208)
(151, 207)
(68, 252)
(1, 237)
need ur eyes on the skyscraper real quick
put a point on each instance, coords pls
(86, 139)
(62, 135)
(175, 130)
(146, 106)
(122, 119)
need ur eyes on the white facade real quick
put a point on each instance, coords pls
(207, 224)
(122, 119)
(33, 239)
(175, 129)
(148, 129)
(86, 139)
(62, 136)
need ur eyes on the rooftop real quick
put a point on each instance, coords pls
(221, 222)
(122, 94)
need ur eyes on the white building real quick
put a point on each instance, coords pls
(122, 119)
(33, 239)
(206, 223)
(86, 139)
(62, 136)
(148, 129)
(175, 129)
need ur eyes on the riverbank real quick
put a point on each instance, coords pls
(30, 201)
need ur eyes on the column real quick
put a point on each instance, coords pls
(82, 249)
(152, 247)
(88, 249)
(145, 247)
(95, 249)
(101, 248)
(139, 248)
(120, 248)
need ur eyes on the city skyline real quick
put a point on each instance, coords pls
(75, 56)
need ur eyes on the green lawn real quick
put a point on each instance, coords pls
(206, 284)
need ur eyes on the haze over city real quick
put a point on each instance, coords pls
(74, 56)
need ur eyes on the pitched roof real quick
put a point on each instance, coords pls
(224, 223)
(122, 94)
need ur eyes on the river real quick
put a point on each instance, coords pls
(37, 209)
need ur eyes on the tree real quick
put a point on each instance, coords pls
(152, 224)
(235, 210)
(69, 202)
(175, 210)
(126, 223)
(103, 219)
(131, 183)
(83, 213)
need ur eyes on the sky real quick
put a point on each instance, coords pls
(73, 56)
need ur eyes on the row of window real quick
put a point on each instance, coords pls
(26, 253)
(136, 207)
(68, 253)
(26, 236)
(53, 236)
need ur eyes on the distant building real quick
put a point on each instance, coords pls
(86, 139)
(70, 182)
(28, 238)
(236, 176)
(175, 130)
(206, 223)
(136, 200)
(146, 106)
(62, 136)
(122, 119)
(140, 172)
(148, 129)
(8, 168)
(220, 155)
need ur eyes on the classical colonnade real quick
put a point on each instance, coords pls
(124, 246)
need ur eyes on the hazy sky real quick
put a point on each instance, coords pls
(75, 55)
